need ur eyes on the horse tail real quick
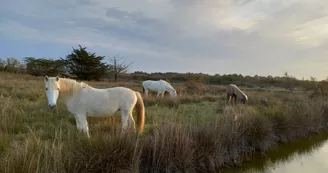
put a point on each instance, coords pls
(140, 110)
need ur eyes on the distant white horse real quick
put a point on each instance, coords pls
(159, 86)
(83, 100)
(233, 92)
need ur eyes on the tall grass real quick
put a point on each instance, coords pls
(180, 136)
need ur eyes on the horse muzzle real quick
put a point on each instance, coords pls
(52, 106)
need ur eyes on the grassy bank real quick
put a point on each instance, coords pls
(195, 133)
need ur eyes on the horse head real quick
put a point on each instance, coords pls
(244, 99)
(52, 90)
(173, 93)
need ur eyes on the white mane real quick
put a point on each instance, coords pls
(239, 91)
(69, 86)
(169, 86)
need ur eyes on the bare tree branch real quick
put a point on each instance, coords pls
(117, 67)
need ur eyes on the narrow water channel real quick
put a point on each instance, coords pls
(304, 156)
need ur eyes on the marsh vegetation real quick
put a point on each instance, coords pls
(195, 132)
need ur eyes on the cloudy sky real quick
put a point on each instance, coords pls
(264, 37)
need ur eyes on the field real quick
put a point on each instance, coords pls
(195, 132)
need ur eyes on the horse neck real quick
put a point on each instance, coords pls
(240, 92)
(68, 87)
(170, 89)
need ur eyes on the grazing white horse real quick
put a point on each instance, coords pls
(159, 86)
(83, 100)
(233, 92)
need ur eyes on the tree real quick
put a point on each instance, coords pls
(42, 66)
(85, 65)
(290, 81)
(2, 64)
(12, 65)
(314, 82)
(117, 67)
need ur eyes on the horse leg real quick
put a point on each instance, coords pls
(83, 123)
(162, 93)
(228, 98)
(78, 124)
(158, 93)
(235, 99)
(146, 92)
(131, 122)
(125, 117)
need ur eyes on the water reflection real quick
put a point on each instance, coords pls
(304, 156)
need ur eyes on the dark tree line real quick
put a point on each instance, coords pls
(84, 65)
(42, 66)
(79, 64)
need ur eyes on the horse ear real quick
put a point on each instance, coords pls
(57, 78)
(46, 78)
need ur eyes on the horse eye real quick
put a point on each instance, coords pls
(46, 88)
(58, 89)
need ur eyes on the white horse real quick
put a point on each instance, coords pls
(233, 92)
(159, 86)
(83, 100)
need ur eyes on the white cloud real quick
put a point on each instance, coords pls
(313, 32)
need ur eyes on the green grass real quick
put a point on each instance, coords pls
(195, 132)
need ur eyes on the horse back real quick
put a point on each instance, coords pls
(153, 85)
(233, 89)
(110, 99)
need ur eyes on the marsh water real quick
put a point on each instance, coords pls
(303, 156)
